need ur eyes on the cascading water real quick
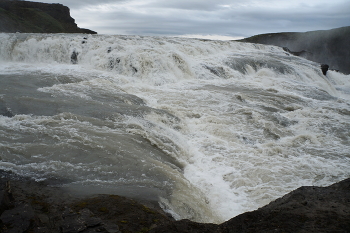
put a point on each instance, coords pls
(210, 129)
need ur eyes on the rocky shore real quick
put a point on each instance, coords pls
(29, 206)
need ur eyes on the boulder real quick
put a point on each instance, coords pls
(74, 57)
(324, 68)
(19, 219)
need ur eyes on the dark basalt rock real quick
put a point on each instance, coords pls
(306, 209)
(18, 219)
(324, 68)
(6, 198)
(29, 206)
(4, 110)
(186, 226)
(36, 17)
(74, 57)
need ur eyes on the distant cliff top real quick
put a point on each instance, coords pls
(35, 17)
(331, 47)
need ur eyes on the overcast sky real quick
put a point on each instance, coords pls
(218, 18)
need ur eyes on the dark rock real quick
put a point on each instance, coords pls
(87, 31)
(8, 113)
(78, 221)
(54, 210)
(6, 198)
(324, 68)
(4, 110)
(18, 219)
(43, 218)
(134, 69)
(36, 17)
(73, 225)
(129, 215)
(110, 228)
(36, 207)
(74, 57)
(307, 209)
(186, 226)
(84, 40)
(41, 230)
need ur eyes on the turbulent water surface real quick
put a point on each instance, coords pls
(210, 129)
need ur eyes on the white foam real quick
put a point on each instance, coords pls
(246, 134)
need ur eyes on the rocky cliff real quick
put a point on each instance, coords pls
(330, 47)
(35, 17)
(29, 206)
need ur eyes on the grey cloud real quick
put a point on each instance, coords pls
(196, 5)
(178, 24)
(73, 4)
(266, 20)
(222, 17)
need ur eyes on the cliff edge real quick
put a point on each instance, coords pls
(29, 206)
(330, 47)
(36, 17)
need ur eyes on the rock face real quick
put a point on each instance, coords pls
(306, 209)
(29, 206)
(35, 17)
(330, 47)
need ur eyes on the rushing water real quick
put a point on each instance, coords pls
(210, 129)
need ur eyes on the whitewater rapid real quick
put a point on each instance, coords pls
(210, 129)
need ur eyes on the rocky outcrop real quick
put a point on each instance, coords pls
(330, 47)
(28, 206)
(307, 209)
(324, 68)
(35, 17)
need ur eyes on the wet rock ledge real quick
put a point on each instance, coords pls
(29, 206)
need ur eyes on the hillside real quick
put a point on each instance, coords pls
(330, 47)
(35, 17)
